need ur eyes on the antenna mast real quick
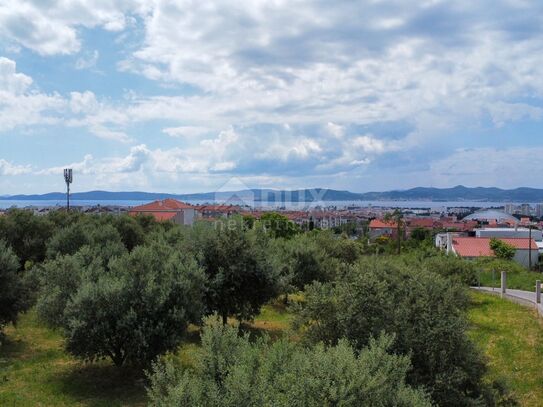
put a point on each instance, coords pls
(68, 178)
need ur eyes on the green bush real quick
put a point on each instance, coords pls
(104, 240)
(231, 371)
(424, 311)
(137, 310)
(59, 280)
(12, 290)
(501, 249)
(26, 234)
(453, 268)
(240, 279)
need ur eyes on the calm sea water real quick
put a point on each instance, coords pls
(4, 204)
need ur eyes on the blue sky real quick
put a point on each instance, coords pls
(187, 96)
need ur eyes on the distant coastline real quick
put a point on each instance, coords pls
(458, 194)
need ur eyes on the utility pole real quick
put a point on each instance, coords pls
(530, 246)
(68, 178)
(398, 217)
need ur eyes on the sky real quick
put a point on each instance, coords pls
(192, 96)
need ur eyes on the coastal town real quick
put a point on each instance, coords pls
(463, 231)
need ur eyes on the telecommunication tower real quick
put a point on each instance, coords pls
(68, 178)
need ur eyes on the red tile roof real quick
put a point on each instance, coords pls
(421, 223)
(468, 225)
(162, 205)
(219, 208)
(381, 224)
(480, 246)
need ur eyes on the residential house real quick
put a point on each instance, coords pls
(380, 227)
(475, 247)
(172, 210)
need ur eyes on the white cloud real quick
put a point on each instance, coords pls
(83, 102)
(86, 166)
(509, 168)
(10, 80)
(336, 130)
(19, 104)
(186, 131)
(87, 61)
(108, 134)
(7, 168)
(51, 27)
(22, 105)
(296, 90)
(264, 62)
(369, 144)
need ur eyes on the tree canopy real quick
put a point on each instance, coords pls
(233, 371)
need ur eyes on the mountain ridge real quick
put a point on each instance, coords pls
(457, 193)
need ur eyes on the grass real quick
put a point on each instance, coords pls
(520, 280)
(511, 336)
(35, 370)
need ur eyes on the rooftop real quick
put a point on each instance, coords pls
(492, 215)
(480, 246)
(164, 205)
(379, 223)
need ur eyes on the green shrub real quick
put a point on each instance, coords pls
(501, 249)
(232, 371)
(453, 268)
(26, 234)
(12, 290)
(137, 310)
(424, 311)
(240, 279)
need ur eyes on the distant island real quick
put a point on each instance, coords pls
(458, 193)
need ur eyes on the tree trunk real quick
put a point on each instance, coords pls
(399, 238)
(117, 359)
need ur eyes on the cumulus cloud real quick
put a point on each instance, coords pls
(83, 102)
(266, 61)
(51, 27)
(298, 91)
(19, 104)
(22, 105)
(10, 80)
(7, 168)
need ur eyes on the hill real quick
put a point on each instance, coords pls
(458, 193)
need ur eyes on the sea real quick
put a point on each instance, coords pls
(5, 204)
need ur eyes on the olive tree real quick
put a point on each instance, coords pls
(12, 290)
(138, 309)
(230, 370)
(424, 311)
(240, 279)
(26, 233)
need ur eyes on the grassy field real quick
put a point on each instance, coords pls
(35, 371)
(511, 336)
(520, 280)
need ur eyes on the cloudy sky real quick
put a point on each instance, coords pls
(183, 96)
